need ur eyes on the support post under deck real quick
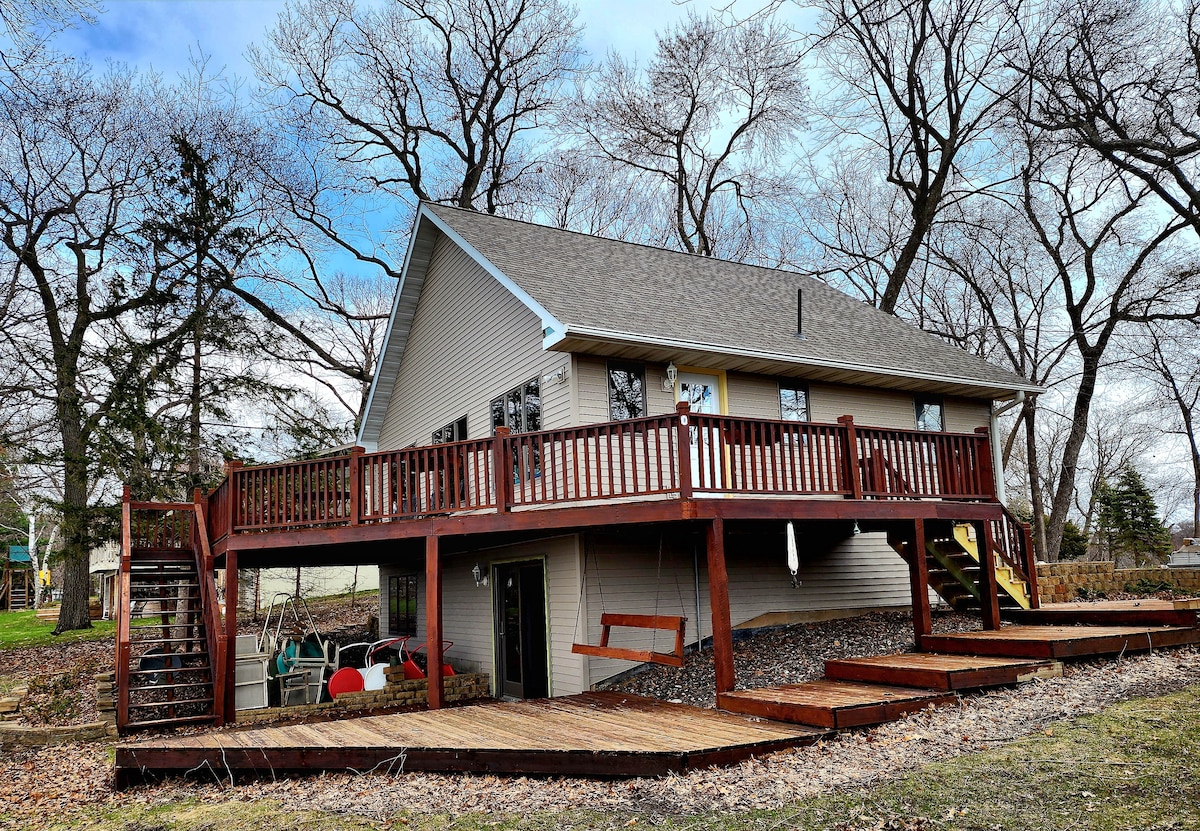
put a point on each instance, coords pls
(918, 577)
(718, 594)
(228, 657)
(989, 590)
(433, 623)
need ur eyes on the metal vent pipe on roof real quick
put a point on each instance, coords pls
(800, 312)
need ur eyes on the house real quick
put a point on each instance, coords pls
(565, 431)
(504, 323)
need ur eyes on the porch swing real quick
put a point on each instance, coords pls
(654, 622)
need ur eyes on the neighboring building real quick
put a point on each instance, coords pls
(103, 564)
(1187, 555)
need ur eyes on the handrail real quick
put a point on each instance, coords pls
(1013, 545)
(208, 602)
(673, 455)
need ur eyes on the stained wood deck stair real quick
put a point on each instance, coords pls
(954, 572)
(167, 667)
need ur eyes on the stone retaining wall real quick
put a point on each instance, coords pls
(1061, 582)
(397, 693)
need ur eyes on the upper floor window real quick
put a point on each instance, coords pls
(793, 401)
(930, 413)
(454, 431)
(519, 409)
(626, 391)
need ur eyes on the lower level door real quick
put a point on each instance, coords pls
(521, 666)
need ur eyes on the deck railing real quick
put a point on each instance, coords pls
(656, 457)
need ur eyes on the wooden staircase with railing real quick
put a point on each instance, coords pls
(169, 667)
(953, 559)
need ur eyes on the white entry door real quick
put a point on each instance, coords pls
(702, 391)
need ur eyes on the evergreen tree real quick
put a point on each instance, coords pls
(1129, 523)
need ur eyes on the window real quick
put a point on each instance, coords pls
(454, 431)
(793, 401)
(402, 605)
(519, 409)
(626, 391)
(930, 415)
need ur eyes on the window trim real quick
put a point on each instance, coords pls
(395, 582)
(500, 403)
(795, 385)
(925, 399)
(632, 367)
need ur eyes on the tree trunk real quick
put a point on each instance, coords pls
(35, 562)
(1065, 490)
(1037, 503)
(74, 613)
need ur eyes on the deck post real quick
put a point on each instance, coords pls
(228, 654)
(684, 443)
(856, 485)
(502, 470)
(987, 470)
(433, 623)
(989, 591)
(918, 574)
(1030, 564)
(124, 607)
(355, 508)
(718, 595)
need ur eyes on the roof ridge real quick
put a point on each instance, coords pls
(658, 248)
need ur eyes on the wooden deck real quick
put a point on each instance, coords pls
(831, 704)
(1061, 641)
(595, 734)
(940, 672)
(1112, 613)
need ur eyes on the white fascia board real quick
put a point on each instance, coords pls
(673, 343)
(552, 329)
(371, 442)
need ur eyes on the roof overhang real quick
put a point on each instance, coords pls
(633, 346)
(427, 228)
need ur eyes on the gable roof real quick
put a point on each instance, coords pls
(623, 299)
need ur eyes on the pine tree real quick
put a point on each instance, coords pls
(1129, 523)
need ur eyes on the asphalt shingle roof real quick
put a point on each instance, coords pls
(645, 292)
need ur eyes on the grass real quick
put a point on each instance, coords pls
(1134, 766)
(23, 629)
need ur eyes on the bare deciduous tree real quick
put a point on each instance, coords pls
(705, 125)
(917, 86)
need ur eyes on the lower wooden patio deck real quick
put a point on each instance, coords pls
(594, 734)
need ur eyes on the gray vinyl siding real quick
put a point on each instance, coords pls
(757, 396)
(467, 609)
(471, 341)
(859, 572)
(591, 385)
(965, 415)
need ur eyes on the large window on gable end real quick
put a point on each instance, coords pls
(626, 391)
(793, 400)
(519, 409)
(931, 414)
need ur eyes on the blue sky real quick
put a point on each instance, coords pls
(158, 34)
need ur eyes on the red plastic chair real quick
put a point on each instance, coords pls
(345, 680)
(413, 672)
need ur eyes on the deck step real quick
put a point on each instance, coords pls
(176, 703)
(939, 672)
(179, 721)
(831, 704)
(1111, 613)
(1059, 642)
